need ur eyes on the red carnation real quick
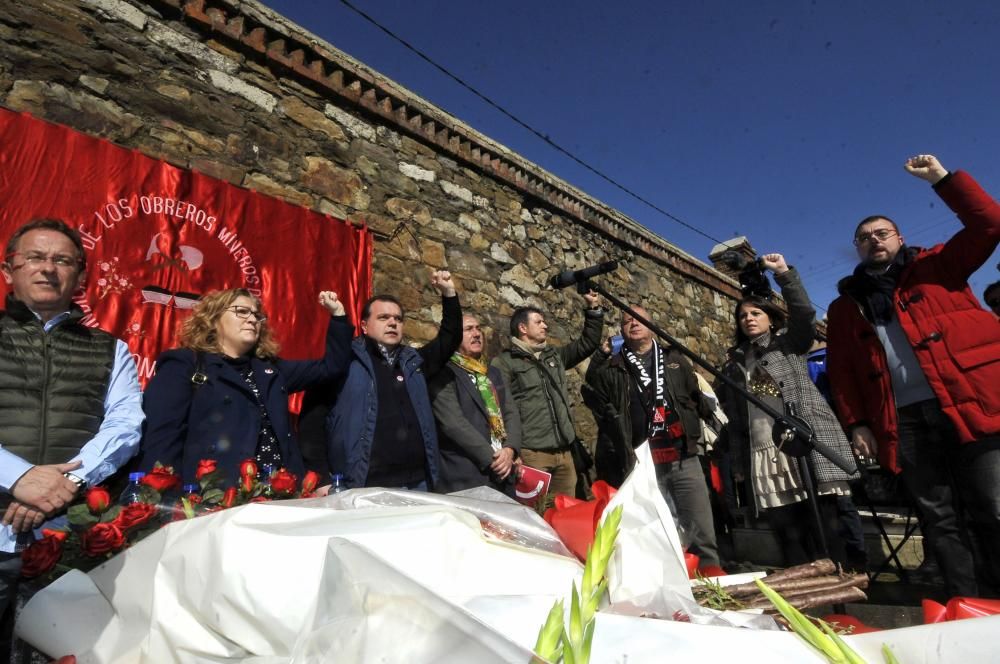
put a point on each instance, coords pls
(162, 478)
(309, 483)
(284, 482)
(102, 538)
(205, 467)
(229, 497)
(98, 500)
(248, 468)
(41, 556)
(134, 515)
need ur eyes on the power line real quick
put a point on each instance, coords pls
(544, 137)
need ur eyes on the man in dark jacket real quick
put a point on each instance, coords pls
(648, 392)
(70, 405)
(914, 365)
(479, 431)
(381, 429)
(535, 374)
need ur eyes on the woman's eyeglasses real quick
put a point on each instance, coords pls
(246, 312)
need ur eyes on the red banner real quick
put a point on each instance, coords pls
(158, 236)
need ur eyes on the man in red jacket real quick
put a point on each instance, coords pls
(914, 366)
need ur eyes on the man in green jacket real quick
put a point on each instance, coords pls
(535, 375)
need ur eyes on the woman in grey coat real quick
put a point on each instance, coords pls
(769, 360)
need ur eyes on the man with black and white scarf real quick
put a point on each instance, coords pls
(650, 392)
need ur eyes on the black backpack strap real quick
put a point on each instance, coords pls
(199, 377)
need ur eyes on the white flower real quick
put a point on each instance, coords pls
(135, 327)
(105, 266)
(102, 282)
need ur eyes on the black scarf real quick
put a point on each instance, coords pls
(662, 421)
(874, 291)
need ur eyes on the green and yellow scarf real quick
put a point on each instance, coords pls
(477, 370)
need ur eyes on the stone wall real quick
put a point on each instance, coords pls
(235, 91)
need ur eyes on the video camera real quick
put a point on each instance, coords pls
(751, 274)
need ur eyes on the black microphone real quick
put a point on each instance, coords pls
(570, 277)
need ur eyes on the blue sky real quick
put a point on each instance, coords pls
(787, 122)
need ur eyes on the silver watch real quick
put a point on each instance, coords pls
(80, 483)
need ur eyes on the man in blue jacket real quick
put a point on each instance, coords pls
(381, 429)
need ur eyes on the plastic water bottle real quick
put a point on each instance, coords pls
(193, 488)
(133, 491)
(337, 483)
(268, 472)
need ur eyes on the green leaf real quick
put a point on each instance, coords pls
(804, 627)
(148, 494)
(887, 654)
(575, 621)
(550, 636)
(210, 481)
(852, 656)
(79, 515)
(587, 584)
(588, 639)
(111, 514)
(569, 656)
(213, 496)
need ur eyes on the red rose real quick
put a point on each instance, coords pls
(102, 538)
(98, 500)
(229, 497)
(309, 482)
(248, 468)
(41, 556)
(60, 535)
(162, 478)
(134, 515)
(247, 483)
(205, 467)
(260, 499)
(284, 482)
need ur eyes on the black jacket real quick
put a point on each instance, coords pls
(464, 432)
(607, 394)
(220, 419)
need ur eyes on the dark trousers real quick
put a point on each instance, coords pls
(795, 527)
(948, 480)
(684, 481)
(10, 576)
(852, 532)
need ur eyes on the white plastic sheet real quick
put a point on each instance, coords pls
(275, 579)
(301, 582)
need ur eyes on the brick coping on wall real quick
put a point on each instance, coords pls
(266, 35)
